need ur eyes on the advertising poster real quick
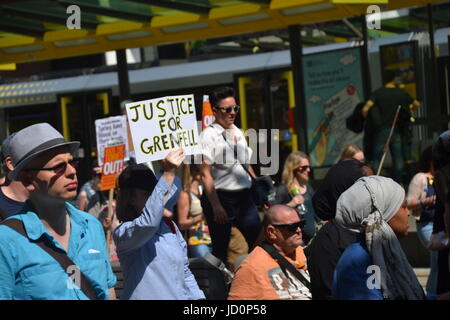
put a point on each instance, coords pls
(333, 87)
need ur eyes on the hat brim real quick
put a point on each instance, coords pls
(14, 175)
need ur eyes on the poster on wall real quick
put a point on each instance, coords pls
(333, 87)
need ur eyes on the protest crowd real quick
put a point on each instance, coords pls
(185, 202)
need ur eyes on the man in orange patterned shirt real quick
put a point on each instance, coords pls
(260, 277)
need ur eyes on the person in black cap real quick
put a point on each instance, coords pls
(36, 244)
(13, 194)
(150, 247)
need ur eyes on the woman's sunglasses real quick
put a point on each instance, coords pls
(292, 227)
(228, 109)
(60, 168)
(302, 168)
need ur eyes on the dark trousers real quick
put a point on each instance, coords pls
(443, 280)
(242, 213)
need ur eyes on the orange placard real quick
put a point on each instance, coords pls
(207, 114)
(112, 166)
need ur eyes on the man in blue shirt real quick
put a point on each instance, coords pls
(43, 162)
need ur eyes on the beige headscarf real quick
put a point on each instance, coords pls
(366, 207)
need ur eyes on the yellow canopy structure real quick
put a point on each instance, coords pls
(36, 30)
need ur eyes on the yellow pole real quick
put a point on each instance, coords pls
(64, 117)
(291, 97)
(242, 81)
(104, 98)
(110, 219)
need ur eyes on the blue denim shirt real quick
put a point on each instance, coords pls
(29, 273)
(153, 259)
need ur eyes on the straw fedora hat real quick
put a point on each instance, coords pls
(33, 141)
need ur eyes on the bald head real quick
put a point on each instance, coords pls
(277, 230)
(281, 214)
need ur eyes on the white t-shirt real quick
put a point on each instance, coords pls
(228, 174)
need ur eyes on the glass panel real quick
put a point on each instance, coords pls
(401, 59)
(255, 104)
(279, 101)
(81, 115)
(21, 117)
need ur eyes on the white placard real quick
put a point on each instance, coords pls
(111, 131)
(160, 125)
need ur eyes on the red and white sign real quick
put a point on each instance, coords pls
(112, 166)
(207, 114)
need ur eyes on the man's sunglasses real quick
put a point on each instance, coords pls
(60, 168)
(292, 227)
(236, 109)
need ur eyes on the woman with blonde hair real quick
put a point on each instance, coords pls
(295, 191)
(352, 151)
(190, 213)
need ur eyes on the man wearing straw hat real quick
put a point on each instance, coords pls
(51, 250)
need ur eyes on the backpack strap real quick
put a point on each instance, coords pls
(61, 257)
(284, 264)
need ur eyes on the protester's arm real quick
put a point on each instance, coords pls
(366, 108)
(414, 105)
(252, 172)
(184, 221)
(133, 234)
(220, 215)
(167, 213)
(414, 194)
(82, 201)
(112, 294)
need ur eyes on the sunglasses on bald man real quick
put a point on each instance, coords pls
(292, 227)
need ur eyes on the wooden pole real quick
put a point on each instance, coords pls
(386, 146)
(109, 218)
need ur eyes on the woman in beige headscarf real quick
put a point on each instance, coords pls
(375, 267)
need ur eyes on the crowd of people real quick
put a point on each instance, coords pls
(340, 241)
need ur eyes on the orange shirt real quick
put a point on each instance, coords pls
(259, 277)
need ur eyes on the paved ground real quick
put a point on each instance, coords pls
(422, 275)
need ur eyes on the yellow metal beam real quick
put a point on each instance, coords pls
(8, 66)
(360, 1)
(16, 41)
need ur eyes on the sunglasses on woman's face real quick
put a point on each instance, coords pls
(229, 108)
(291, 227)
(302, 168)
